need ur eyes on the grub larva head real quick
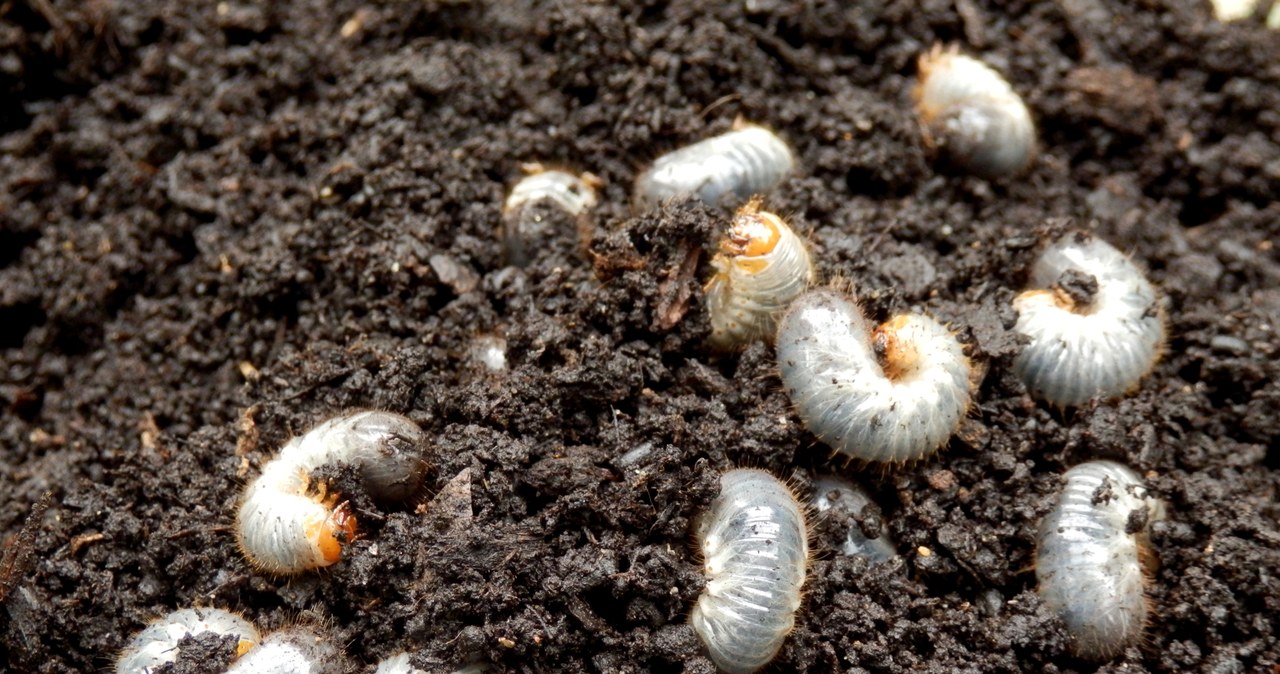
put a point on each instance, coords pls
(971, 116)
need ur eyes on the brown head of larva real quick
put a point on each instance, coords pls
(753, 232)
(927, 64)
(898, 358)
(331, 533)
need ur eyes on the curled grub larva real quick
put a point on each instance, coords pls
(971, 115)
(762, 266)
(157, 644)
(894, 393)
(746, 161)
(1093, 320)
(524, 226)
(293, 650)
(287, 523)
(840, 497)
(755, 548)
(1093, 557)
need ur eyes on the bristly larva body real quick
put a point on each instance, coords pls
(762, 266)
(893, 393)
(744, 162)
(1091, 554)
(158, 643)
(1093, 320)
(754, 544)
(971, 115)
(293, 650)
(525, 227)
(289, 523)
(836, 496)
(397, 664)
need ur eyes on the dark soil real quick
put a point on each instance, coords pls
(222, 222)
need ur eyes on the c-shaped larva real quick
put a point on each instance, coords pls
(287, 523)
(842, 497)
(746, 161)
(157, 644)
(893, 393)
(293, 650)
(755, 548)
(523, 226)
(971, 115)
(1091, 554)
(1093, 320)
(762, 266)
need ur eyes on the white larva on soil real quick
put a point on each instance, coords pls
(755, 549)
(524, 228)
(971, 115)
(891, 394)
(741, 163)
(157, 644)
(288, 523)
(397, 664)
(838, 496)
(1091, 565)
(293, 650)
(761, 267)
(1093, 320)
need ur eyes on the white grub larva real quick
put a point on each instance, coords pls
(1093, 557)
(838, 496)
(1093, 320)
(971, 115)
(755, 549)
(289, 523)
(524, 227)
(157, 644)
(746, 161)
(894, 393)
(293, 650)
(397, 664)
(761, 267)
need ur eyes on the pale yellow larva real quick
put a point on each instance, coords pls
(971, 116)
(288, 523)
(158, 643)
(762, 265)
(736, 165)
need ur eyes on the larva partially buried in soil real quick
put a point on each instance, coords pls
(894, 393)
(158, 643)
(761, 267)
(1093, 557)
(524, 227)
(293, 650)
(287, 523)
(840, 497)
(755, 550)
(971, 115)
(1093, 320)
(746, 161)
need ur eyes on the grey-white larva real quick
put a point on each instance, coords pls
(837, 495)
(397, 664)
(893, 393)
(755, 548)
(293, 650)
(1091, 554)
(971, 115)
(524, 227)
(746, 161)
(287, 523)
(1093, 320)
(157, 644)
(762, 266)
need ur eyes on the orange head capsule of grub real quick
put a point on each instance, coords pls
(332, 532)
